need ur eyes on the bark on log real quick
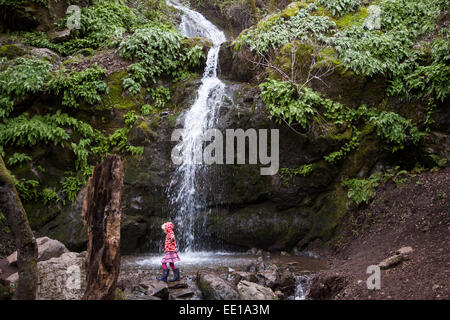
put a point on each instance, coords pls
(27, 250)
(101, 214)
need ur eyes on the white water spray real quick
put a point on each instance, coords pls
(185, 184)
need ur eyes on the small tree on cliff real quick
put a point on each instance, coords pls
(27, 251)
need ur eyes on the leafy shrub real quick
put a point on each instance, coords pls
(395, 129)
(362, 190)
(340, 7)
(160, 96)
(158, 50)
(276, 30)
(49, 196)
(18, 158)
(87, 85)
(22, 76)
(284, 103)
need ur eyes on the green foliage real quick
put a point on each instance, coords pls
(119, 138)
(101, 22)
(21, 76)
(50, 196)
(160, 96)
(27, 189)
(25, 132)
(340, 7)
(343, 151)
(146, 109)
(392, 52)
(18, 158)
(158, 50)
(284, 103)
(72, 186)
(362, 190)
(286, 173)
(276, 30)
(395, 129)
(87, 85)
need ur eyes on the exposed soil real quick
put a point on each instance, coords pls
(107, 59)
(416, 215)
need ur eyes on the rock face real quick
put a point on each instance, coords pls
(215, 288)
(252, 291)
(47, 249)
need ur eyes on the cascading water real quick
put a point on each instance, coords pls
(186, 183)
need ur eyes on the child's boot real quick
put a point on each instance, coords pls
(176, 275)
(164, 275)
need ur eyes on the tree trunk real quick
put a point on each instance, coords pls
(27, 250)
(272, 6)
(101, 214)
(254, 11)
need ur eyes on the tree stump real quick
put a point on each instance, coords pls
(27, 250)
(101, 214)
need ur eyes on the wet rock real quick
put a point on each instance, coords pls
(184, 293)
(253, 291)
(47, 249)
(236, 277)
(156, 288)
(177, 285)
(215, 288)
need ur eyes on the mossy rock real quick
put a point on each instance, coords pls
(11, 51)
(292, 9)
(117, 98)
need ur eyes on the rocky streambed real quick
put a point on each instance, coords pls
(255, 274)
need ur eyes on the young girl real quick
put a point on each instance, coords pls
(171, 256)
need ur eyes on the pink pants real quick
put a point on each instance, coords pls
(172, 265)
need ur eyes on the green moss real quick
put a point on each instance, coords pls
(116, 97)
(144, 126)
(292, 9)
(351, 19)
(11, 51)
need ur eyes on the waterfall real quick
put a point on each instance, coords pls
(186, 196)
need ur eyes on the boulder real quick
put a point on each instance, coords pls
(215, 288)
(47, 249)
(62, 278)
(156, 288)
(253, 291)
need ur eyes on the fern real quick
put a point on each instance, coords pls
(87, 85)
(18, 158)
